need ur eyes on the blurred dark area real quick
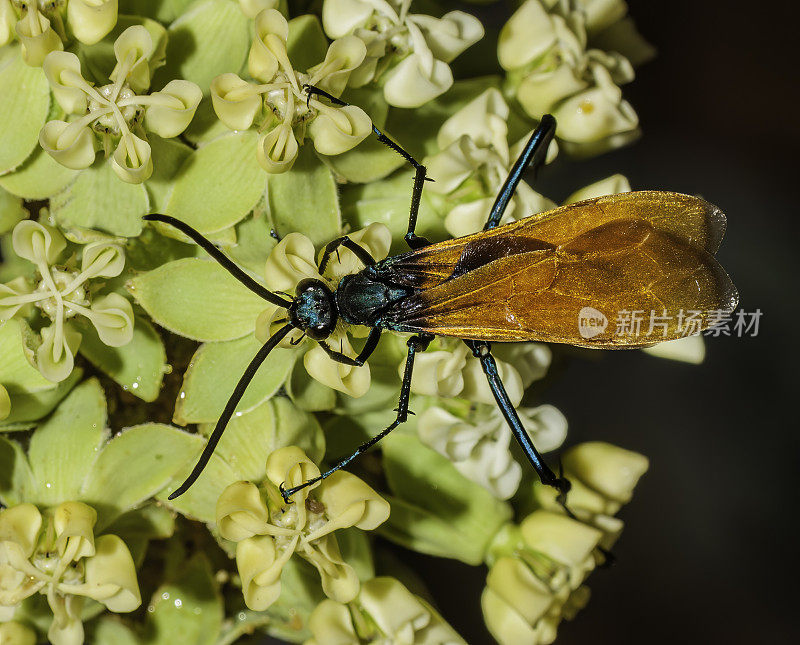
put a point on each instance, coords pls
(708, 554)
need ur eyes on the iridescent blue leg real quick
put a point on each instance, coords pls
(533, 155)
(482, 352)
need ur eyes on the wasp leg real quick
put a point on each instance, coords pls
(415, 344)
(358, 361)
(360, 252)
(230, 407)
(481, 351)
(533, 155)
(420, 172)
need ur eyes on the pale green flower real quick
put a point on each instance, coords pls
(478, 441)
(278, 104)
(294, 259)
(603, 477)
(474, 161)
(384, 612)
(114, 117)
(43, 26)
(61, 293)
(56, 553)
(543, 47)
(268, 531)
(535, 578)
(408, 53)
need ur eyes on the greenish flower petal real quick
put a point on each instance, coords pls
(64, 447)
(111, 576)
(170, 121)
(197, 299)
(219, 184)
(91, 20)
(55, 357)
(97, 200)
(72, 147)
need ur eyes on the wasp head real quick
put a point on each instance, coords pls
(313, 309)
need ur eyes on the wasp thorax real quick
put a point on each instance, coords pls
(313, 309)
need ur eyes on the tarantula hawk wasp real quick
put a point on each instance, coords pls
(524, 281)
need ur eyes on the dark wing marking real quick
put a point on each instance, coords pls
(690, 219)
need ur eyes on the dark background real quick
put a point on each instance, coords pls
(709, 553)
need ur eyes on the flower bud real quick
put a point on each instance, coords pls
(69, 146)
(37, 242)
(132, 160)
(277, 149)
(241, 513)
(74, 526)
(410, 85)
(349, 379)
(235, 106)
(608, 469)
(337, 130)
(169, 120)
(341, 17)
(36, 44)
(451, 34)
(61, 70)
(111, 575)
(343, 56)
(133, 49)
(55, 357)
(113, 319)
(102, 260)
(290, 261)
(528, 34)
(268, 50)
(540, 92)
(91, 20)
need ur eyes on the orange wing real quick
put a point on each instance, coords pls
(507, 285)
(691, 219)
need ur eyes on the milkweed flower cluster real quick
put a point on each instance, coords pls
(385, 611)
(537, 568)
(114, 329)
(268, 532)
(43, 26)
(60, 292)
(58, 555)
(407, 53)
(543, 47)
(115, 116)
(279, 103)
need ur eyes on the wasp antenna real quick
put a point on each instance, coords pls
(230, 407)
(223, 260)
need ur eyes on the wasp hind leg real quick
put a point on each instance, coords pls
(481, 350)
(415, 344)
(420, 172)
(533, 155)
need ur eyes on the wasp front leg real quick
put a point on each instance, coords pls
(420, 172)
(332, 247)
